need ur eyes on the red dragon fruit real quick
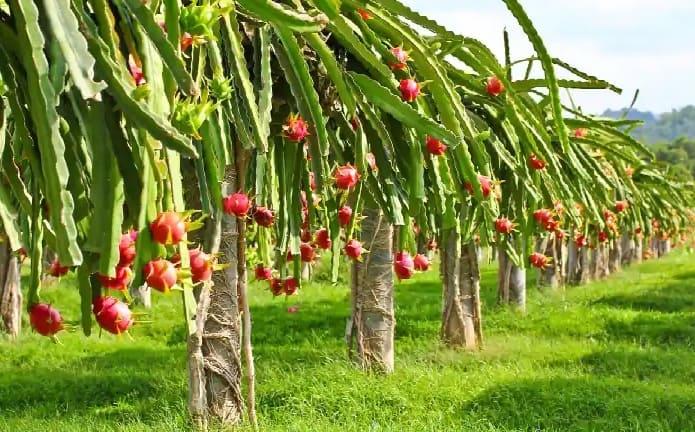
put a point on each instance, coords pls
(45, 319)
(112, 315)
(403, 265)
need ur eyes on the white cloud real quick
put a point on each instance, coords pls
(643, 44)
(629, 6)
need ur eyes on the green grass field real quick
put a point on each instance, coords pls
(612, 356)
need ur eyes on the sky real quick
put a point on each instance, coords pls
(635, 44)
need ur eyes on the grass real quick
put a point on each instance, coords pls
(611, 356)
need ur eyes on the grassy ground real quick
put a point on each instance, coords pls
(612, 356)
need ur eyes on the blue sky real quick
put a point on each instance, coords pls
(645, 44)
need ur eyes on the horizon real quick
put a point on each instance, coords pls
(657, 114)
(629, 43)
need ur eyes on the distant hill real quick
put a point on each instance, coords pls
(645, 116)
(662, 127)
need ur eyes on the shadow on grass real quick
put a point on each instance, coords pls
(655, 365)
(133, 384)
(668, 330)
(418, 309)
(582, 404)
(419, 304)
(272, 324)
(674, 297)
(689, 275)
(136, 357)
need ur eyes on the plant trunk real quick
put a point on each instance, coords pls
(479, 254)
(453, 322)
(241, 160)
(578, 264)
(628, 248)
(605, 259)
(595, 263)
(663, 247)
(599, 261)
(306, 271)
(504, 269)
(511, 282)
(584, 275)
(572, 261)
(373, 321)
(639, 249)
(615, 255)
(561, 253)
(141, 295)
(396, 240)
(10, 292)
(551, 276)
(654, 246)
(469, 273)
(215, 367)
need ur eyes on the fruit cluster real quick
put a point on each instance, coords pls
(168, 229)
